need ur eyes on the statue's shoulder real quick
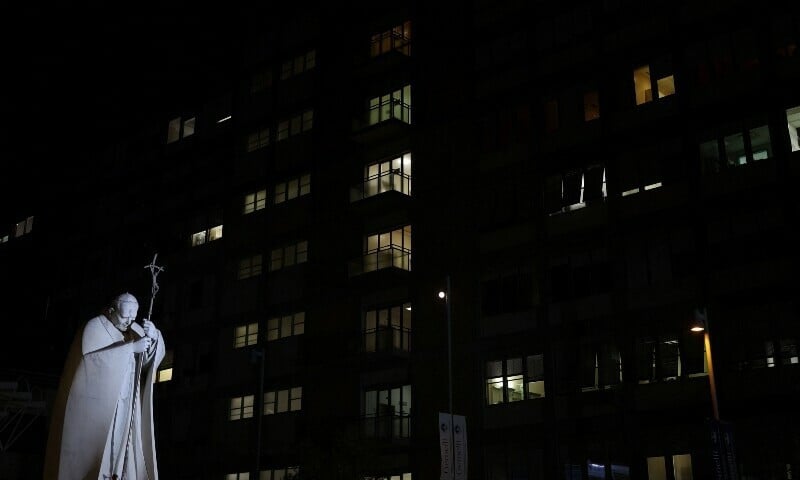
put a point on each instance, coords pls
(94, 323)
(98, 335)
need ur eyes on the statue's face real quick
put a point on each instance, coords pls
(125, 315)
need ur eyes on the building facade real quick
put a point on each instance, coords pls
(583, 181)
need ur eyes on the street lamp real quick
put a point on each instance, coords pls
(723, 452)
(701, 325)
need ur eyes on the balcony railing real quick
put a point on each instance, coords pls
(388, 257)
(387, 427)
(387, 339)
(384, 182)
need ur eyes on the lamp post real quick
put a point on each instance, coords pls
(701, 325)
(723, 451)
(445, 295)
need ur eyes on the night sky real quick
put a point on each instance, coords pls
(78, 77)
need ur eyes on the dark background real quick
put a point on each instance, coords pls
(76, 78)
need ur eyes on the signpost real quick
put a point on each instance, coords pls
(453, 446)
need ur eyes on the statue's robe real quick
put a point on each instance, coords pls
(102, 418)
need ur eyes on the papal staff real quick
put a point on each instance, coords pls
(154, 271)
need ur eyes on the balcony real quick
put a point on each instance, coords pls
(386, 181)
(388, 257)
(386, 427)
(387, 339)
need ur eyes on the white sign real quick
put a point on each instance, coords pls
(460, 447)
(453, 446)
(445, 438)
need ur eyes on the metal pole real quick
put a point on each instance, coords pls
(450, 379)
(259, 404)
(449, 351)
(711, 382)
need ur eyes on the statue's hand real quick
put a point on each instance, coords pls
(150, 329)
(142, 345)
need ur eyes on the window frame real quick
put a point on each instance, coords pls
(395, 425)
(246, 337)
(284, 326)
(531, 381)
(380, 328)
(241, 407)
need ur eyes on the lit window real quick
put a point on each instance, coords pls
(514, 379)
(259, 139)
(282, 401)
(241, 407)
(394, 105)
(255, 201)
(24, 227)
(394, 174)
(286, 326)
(793, 122)
(387, 413)
(164, 375)
(180, 128)
(238, 476)
(198, 238)
(388, 249)
(591, 106)
(575, 189)
(682, 465)
(398, 38)
(288, 473)
(250, 267)
(244, 335)
(213, 233)
(656, 468)
(644, 84)
(388, 329)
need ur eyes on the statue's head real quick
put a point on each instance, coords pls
(123, 311)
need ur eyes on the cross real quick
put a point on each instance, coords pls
(154, 271)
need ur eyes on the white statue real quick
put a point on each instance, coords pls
(102, 420)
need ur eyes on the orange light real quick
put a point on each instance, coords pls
(697, 329)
